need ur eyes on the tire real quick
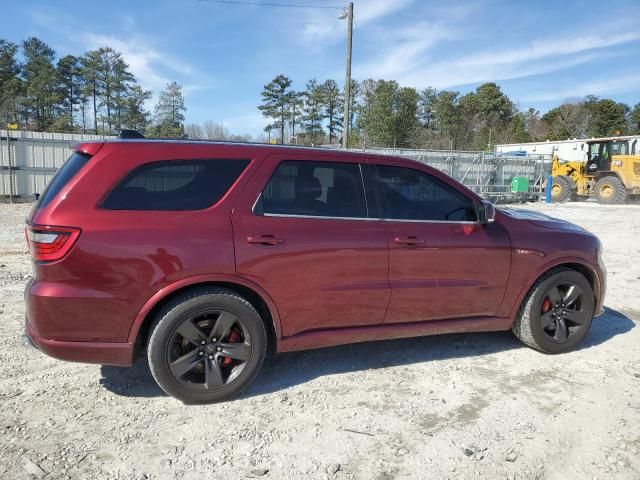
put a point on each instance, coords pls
(535, 325)
(212, 334)
(610, 190)
(561, 190)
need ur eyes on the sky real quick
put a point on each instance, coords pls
(539, 52)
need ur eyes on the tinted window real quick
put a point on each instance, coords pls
(72, 166)
(322, 189)
(175, 185)
(414, 195)
(619, 148)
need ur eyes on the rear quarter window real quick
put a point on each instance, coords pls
(68, 170)
(175, 185)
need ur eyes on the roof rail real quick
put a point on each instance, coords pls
(126, 133)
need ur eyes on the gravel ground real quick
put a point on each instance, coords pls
(453, 406)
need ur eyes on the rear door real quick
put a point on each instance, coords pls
(303, 231)
(442, 262)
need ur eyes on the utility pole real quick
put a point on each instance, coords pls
(347, 82)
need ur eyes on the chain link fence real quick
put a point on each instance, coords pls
(488, 174)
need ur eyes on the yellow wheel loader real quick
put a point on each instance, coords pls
(610, 174)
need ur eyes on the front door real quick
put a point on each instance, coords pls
(442, 262)
(302, 232)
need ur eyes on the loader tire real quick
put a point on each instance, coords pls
(610, 190)
(561, 190)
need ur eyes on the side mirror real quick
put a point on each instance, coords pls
(486, 212)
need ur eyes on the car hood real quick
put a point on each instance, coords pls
(541, 219)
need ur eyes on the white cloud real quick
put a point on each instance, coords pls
(539, 56)
(320, 27)
(152, 67)
(407, 50)
(613, 84)
(149, 65)
(539, 49)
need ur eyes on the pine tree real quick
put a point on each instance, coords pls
(332, 104)
(134, 115)
(90, 70)
(10, 83)
(426, 110)
(296, 104)
(606, 116)
(378, 116)
(68, 71)
(39, 75)
(275, 102)
(405, 110)
(312, 115)
(169, 112)
(122, 82)
(634, 120)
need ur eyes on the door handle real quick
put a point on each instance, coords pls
(264, 239)
(410, 240)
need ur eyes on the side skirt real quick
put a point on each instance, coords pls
(345, 335)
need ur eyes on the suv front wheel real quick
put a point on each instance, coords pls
(206, 345)
(556, 313)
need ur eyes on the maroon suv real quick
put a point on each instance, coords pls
(208, 255)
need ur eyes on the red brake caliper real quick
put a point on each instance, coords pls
(234, 337)
(546, 305)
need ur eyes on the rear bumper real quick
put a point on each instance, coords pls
(107, 353)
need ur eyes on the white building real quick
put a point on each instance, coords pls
(567, 150)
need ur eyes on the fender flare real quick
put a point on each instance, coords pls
(558, 262)
(164, 292)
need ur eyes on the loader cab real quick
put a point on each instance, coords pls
(600, 153)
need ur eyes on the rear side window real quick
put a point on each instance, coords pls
(68, 170)
(318, 189)
(415, 195)
(175, 185)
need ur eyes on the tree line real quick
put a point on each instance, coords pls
(92, 93)
(97, 93)
(385, 114)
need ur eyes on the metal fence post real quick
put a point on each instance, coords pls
(481, 175)
(11, 192)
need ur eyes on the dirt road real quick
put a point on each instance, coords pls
(454, 406)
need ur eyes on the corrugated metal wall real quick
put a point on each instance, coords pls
(28, 160)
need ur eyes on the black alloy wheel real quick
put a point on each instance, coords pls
(557, 312)
(562, 312)
(209, 350)
(206, 345)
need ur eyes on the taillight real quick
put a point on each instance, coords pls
(47, 244)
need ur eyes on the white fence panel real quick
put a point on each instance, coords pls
(28, 160)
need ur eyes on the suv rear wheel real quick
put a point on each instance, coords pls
(556, 313)
(206, 345)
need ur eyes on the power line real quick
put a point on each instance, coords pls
(271, 4)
